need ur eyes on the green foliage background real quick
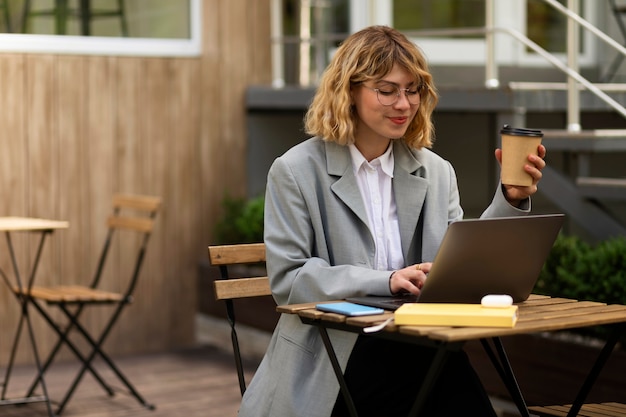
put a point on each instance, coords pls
(578, 270)
(241, 222)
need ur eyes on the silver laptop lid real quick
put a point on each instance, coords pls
(491, 256)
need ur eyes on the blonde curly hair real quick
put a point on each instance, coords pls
(369, 54)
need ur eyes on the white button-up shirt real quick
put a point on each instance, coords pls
(374, 179)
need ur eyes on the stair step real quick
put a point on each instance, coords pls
(555, 86)
(597, 140)
(602, 188)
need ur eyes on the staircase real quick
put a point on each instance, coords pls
(585, 197)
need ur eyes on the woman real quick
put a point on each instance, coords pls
(359, 209)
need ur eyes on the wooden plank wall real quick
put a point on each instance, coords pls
(76, 129)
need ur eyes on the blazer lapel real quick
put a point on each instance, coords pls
(408, 184)
(346, 188)
(410, 192)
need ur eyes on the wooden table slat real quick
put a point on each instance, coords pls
(537, 314)
(581, 310)
(533, 326)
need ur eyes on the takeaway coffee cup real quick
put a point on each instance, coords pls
(517, 144)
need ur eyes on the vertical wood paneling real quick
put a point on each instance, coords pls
(233, 71)
(77, 129)
(153, 168)
(41, 133)
(13, 171)
(71, 120)
(101, 173)
(130, 155)
(260, 58)
(183, 186)
(212, 147)
(42, 180)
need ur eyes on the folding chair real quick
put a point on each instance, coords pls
(131, 213)
(229, 289)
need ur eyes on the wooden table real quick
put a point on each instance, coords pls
(537, 314)
(43, 227)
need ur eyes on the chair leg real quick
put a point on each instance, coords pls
(230, 313)
(7, 375)
(63, 340)
(31, 334)
(96, 350)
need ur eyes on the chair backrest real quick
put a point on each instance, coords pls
(229, 288)
(133, 213)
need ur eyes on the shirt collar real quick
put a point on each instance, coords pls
(386, 160)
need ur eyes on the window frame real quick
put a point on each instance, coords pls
(100, 45)
(459, 52)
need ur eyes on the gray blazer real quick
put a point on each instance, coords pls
(319, 247)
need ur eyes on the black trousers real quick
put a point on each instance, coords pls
(384, 378)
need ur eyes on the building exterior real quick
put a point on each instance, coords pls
(202, 116)
(81, 122)
(495, 63)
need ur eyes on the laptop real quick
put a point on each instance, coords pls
(478, 257)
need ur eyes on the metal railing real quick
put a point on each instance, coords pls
(574, 79)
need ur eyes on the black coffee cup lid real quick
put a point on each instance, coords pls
(519, 131)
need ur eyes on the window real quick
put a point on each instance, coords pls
(535, 18)
(411, 15)
(139, 27)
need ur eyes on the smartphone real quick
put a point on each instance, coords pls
(349, 309)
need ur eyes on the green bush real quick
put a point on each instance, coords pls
(241, 221)
(575, 269)
(578, 270)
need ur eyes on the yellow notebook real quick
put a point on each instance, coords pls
(446, 314)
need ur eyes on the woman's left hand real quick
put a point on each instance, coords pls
(516, 193)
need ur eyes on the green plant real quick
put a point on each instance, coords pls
(576, 269)
(241, 221)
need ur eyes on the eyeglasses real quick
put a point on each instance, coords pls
(390, 95)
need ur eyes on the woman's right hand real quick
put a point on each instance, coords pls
(410, 279)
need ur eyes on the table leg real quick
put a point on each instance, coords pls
(503, 367)
(338, 372)
(18, 334)
(25, 317)
(442, 354)
(429, 381)
(598, 365)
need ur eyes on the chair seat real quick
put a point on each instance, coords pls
(72, 294)
(588, 410)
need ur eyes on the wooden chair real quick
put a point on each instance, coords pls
(135, 215)
(229, 288)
